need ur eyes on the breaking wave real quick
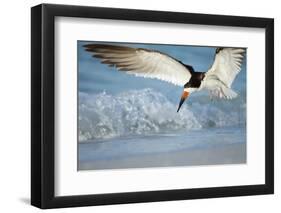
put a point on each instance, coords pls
(146, 112)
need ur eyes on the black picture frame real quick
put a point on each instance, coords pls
(43, 102)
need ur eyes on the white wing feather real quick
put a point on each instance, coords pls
(142, 62)
(227, 65)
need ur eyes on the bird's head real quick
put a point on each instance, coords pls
(184, 96)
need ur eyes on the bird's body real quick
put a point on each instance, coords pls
(154, 64)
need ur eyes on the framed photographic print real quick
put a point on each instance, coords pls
(140, 106)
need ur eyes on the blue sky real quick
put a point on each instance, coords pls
(95, 77)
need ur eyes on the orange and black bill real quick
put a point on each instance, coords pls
(183, 97)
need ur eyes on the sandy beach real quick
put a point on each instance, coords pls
(229, 154)
(209, 147)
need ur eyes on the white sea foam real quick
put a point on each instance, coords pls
(144, 112)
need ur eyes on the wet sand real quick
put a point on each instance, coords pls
(226, 154)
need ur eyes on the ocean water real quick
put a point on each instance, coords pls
(145, 112)
(141, 128)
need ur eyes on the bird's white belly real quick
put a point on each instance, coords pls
(218, 89)
(211, 84)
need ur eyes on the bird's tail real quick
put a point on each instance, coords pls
(229, 93)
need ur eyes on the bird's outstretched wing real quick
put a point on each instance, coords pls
(142, 62)
(227, 65)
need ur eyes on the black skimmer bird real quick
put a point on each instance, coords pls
(154, 64)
